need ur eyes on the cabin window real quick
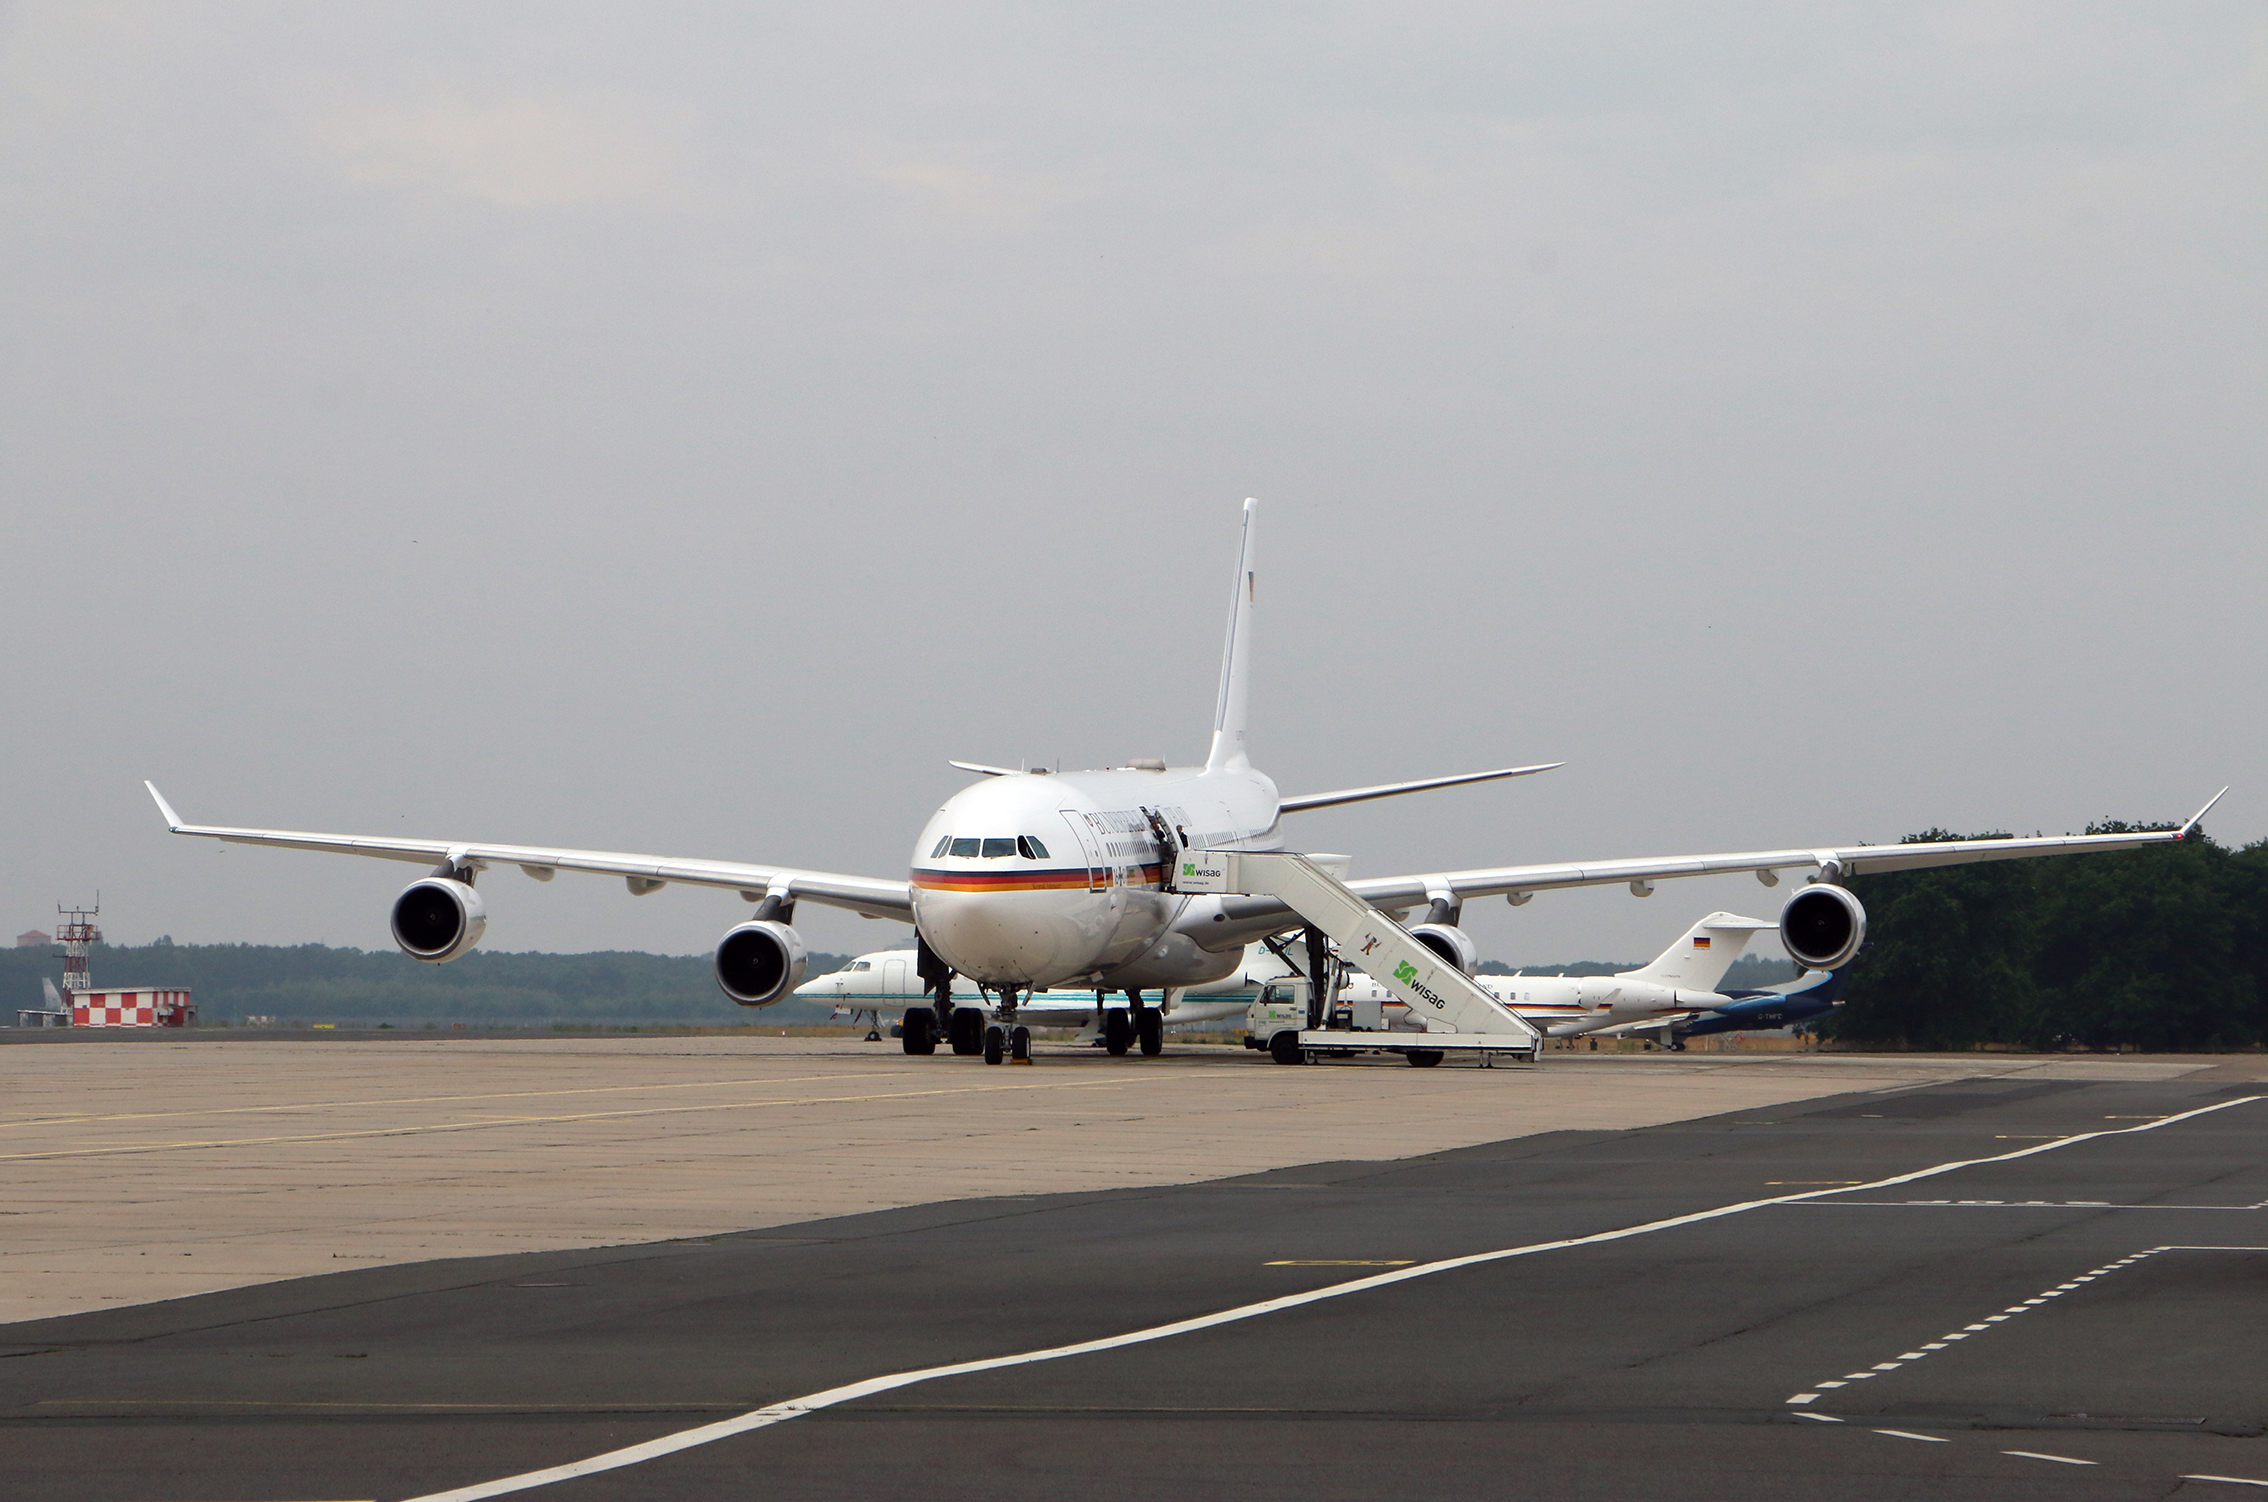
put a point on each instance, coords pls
(1030, 849)
(965, 846)
(942, 842)
(998, 847)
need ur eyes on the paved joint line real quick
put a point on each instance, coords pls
(1116, 1082)
(793, 1408)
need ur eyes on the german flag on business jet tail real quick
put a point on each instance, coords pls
(1700, 941)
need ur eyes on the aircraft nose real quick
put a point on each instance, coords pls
(1033, 938)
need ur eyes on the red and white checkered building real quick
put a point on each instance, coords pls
(132, 1009)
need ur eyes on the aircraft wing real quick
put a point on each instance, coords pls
(1848, 860)
(644, 873)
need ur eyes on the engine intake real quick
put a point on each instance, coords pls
(759, 962)
(438, 919)
(1451, 943)
(1823, 926)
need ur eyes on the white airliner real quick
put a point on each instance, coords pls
(1029, 880)
(888, 981)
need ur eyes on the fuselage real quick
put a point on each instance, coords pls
(886, 982)
(1038, 880)
(1566, 1006)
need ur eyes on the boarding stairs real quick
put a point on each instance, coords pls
(1455, 1013)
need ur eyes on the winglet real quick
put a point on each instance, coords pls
(977, 767)
(2201, 813)
(172, 819)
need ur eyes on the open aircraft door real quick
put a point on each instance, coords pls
(1090, 848)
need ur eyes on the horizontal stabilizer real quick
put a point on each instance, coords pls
(1396, 789)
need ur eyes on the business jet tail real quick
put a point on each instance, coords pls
(1228, 753)
(1703, 953)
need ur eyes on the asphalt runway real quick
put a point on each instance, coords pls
(2083, 1321)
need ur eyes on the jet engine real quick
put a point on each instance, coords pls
(1822, 926)
(438, 919)
(760, 962)
(1450, 942)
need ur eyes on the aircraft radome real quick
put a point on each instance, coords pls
(1028, 880)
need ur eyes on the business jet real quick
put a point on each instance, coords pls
(1680, 983)
(1030, 879)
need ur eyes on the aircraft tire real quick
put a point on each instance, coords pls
(1020, 1044)
(967, 1031)
(995, 1044)
(1284, 1049)
(914, 1034)
(1422, 1058)
(1151, 1029)
(1117, 1032)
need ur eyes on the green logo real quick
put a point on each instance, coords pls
(1405, 971)
(1189, 868)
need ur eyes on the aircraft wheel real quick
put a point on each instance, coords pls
(1422, 1058)
(1020, 1045)
(995, 1045)
(873, 1035)
(1284, 1049)
(914, 1033)
(1151, 1028)
(967, 1031)
(1117, 1032)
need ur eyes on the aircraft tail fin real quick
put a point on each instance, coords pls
(1703, 953)
(54, 997)
(1228, 752)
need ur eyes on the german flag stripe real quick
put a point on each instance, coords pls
(1075, 879)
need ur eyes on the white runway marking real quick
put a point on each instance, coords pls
(2232, 1480)
(2058, 1459)
(793, 1408)
(1925, 1438)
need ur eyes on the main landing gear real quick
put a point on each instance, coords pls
(1124, 1028)
(966, 1031)
(914, 1033)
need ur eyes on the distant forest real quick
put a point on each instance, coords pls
(2164, 950)
(317, 982)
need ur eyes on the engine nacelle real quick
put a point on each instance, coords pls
(760, 962)
(1451, 943)
(438, 919)
(1822, 926)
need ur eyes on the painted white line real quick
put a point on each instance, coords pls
(1944, 1342)
(1824, 1418)
(1899, 1433)
(793, 1408)
(2231, 1480)
(1805, 1397)
(2036, 1455)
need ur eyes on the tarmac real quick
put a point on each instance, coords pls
(1626, 1276)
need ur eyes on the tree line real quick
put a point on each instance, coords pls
(317, 981)
(2163, 949)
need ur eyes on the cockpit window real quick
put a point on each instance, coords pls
(942, 842)
(1030, 849)
(869, 964)
(964, 847)
(997, 847)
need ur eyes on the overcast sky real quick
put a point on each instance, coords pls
(681, 428)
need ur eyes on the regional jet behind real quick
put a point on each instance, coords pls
(1033, 879)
